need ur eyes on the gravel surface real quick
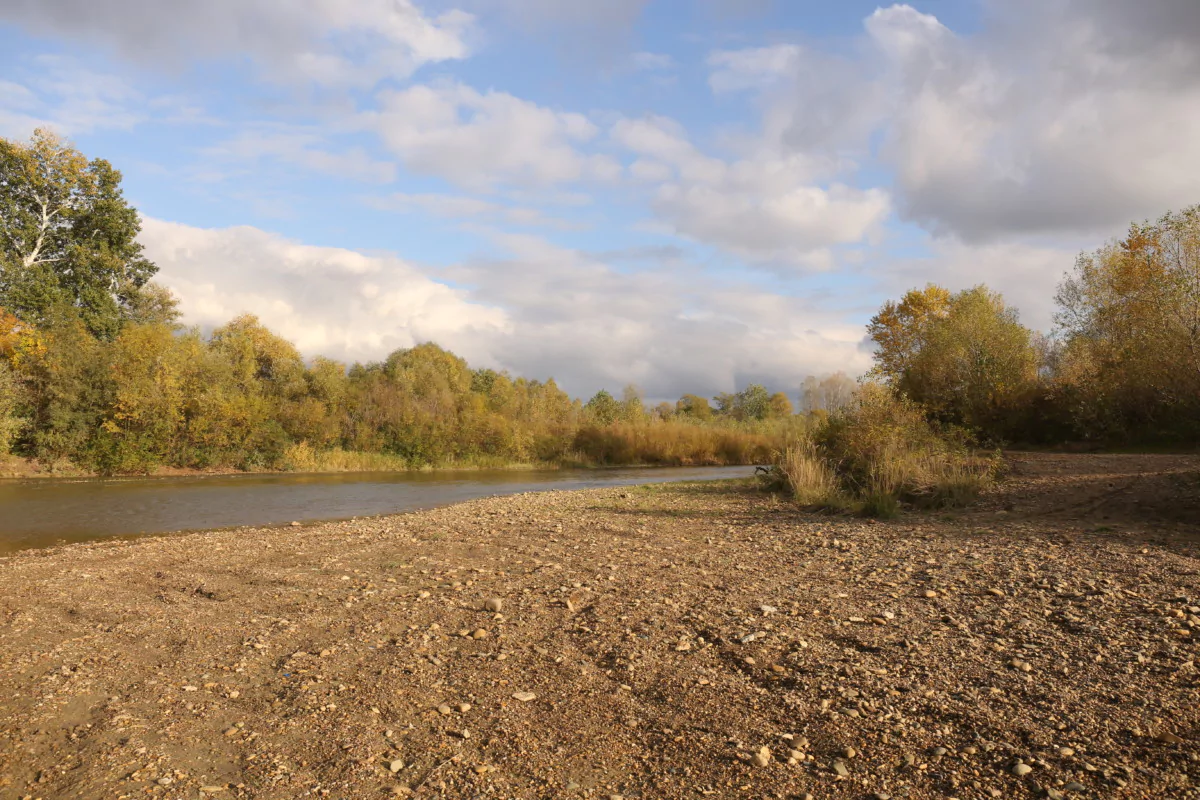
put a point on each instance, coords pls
(659, 642)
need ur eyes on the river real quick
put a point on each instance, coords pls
(47, 511)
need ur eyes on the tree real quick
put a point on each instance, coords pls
(779, 406)
(632, 408)
(899, 329)
(67, 236)
(603, 409)
(1129, 317)
(694, 407)
(976, 363)
(831, 393)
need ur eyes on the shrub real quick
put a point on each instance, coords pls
(880, 452)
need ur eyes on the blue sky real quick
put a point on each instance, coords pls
(684, 195)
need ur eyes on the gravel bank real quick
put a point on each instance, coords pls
(659, 642)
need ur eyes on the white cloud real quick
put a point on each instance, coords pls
(765, 207)
(540, 311)
(461, 207)
(651, 62)
(327, 300)
(752, 68)
(330, 42)
(670, 328)
(305, 147)
(481, 139)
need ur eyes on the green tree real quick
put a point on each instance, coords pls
(633, 410)
(603, 408)
(899, 329)
(976, 364)
(67, 236)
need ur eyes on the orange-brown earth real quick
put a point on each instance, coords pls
(660, 642)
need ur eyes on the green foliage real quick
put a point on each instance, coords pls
(68, 238)
(602, 409)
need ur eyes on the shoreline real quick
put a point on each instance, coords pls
(651, 642)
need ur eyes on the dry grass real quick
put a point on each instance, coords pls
(672, 444)
(880, 454)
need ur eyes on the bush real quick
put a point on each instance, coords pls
(879, 453)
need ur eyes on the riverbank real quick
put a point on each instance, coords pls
(659, 642)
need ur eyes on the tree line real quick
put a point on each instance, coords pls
(95, 370)
(1121, 366)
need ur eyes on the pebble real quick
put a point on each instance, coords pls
(1066, 751)
(996, 592)
(479, 633)
(164, 781)
(443, 709)
(1021, 769)
(524, 697)
(395, 766)
(493, 604)
(763, 756)
(464, 707)
(849, 752)
(841, 769)
(930, 593)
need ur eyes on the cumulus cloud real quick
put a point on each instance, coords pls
(479, 139)
(538, 310)
(670, 328)
(1056, 117)
(329, 301)
(764, 207)
(331, 42)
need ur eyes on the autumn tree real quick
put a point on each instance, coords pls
(68, 237)
(1129, 320)
(899, 329)
(694, 407)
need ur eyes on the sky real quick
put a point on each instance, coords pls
(687, 196)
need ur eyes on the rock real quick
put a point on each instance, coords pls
(940, 751)
(493, 604)
(1066, 751)
(443, 709)
(395, 766)
(524, 697)
(1021, 769)
(930, 593)
(1166, 737)
(479, 633)
(464, 707)
(841, 769)
(762, 757)
(295, 524)
(996, 592)
(849, 752)
(1075, 786)
(164, 781)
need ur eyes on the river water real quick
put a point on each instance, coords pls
(49, 511)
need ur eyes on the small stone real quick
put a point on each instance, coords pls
(444, 709)
(395, 766)
(841, 769)
(996, 592)
(930, 593)
(164, 781)
(762, 757)
(479, 633)
(1075, 786)
(849, 752)
(493, 604)
(1166, 737)
(464, 708)
(524, 697)
(1066, 751)
(295, 524)
(940, 751)
(212, 789)
(1021, 769)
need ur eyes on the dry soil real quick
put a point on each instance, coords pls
(661, 642)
